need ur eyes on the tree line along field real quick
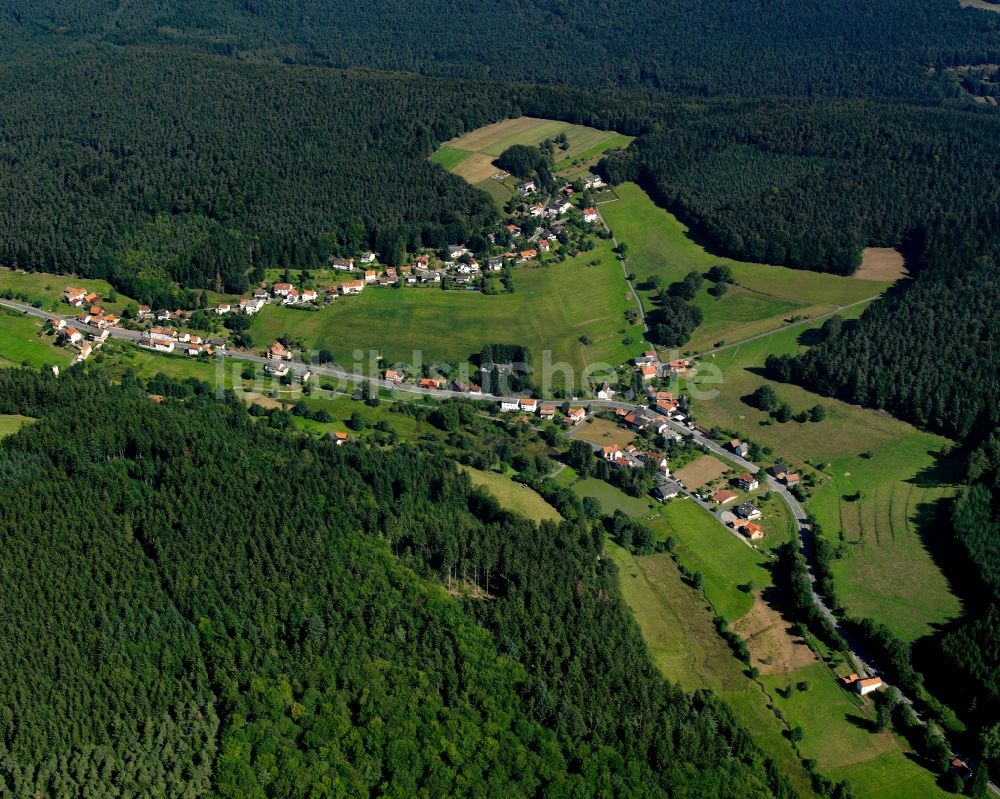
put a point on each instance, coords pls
(659, 245)
(551, 308)
(676, 624)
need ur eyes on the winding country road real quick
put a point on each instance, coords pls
(863, 664)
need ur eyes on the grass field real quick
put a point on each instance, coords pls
(659, 245)
(551, 308)
(493, 139)
(839, 737)
(890, 573)
(10, 424)
(603, 432)
(701, 471)
(22, 342)
(48, 288)
(514, 496)
(613, 499)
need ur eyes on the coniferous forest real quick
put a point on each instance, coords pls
(230, 610)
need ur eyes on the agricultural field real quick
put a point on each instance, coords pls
(613, 499)
(839, 736)
(551, 308)
(677, 625)
(660, 246)
(11, 423)
(471, 156)
(701, 471)
(22, 342)
(890, 571)
(514, 496)
(603, 432)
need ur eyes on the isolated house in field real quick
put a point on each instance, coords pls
(340, 438)
(724, 497)
(747, 481)
(738, 447)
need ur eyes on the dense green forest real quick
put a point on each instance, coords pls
(199, 605)
(847, 48)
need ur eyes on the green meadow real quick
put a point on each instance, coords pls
(659, 245)
(514, 496)
(10, 424)
(552, 307)
(22, 341)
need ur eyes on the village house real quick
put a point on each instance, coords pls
(544, 245)
(435, 383)
(738, 447)
(340, 438)
(658, 460)
(649, 356)
(605, 392)
(223, 308)
(456, 251)
(866, 685)
(156, 342)
(749, 511)
(576, 415)
(367, 257)
(217, 344)
(611, 453)
(371, 275)
(74, 296)
(509, 404)
(282, 289)
(529, 405)
(536, 210)
(261, 294)
(724, 496)
(291, 298)
(192, 349)
(395, 376)
(664, 402)
(308, 295)
(747, 481)
(342, 264)
(144, 312)
(421, 262)
(92, 298)
(85, 352)
(98, 336)
(72, 335)
(648, 371)
(57, 324)
(352, 287)
(279, 352)
(593, 182)
(590, 215)
(547, 411)
(678, 367)
(276, 368)
(752, 531)
(780, 471)
(527, 187)
(792, 478)
(665, 490)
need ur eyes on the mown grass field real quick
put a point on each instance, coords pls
(10, 424)
(514, 496)
(890, 573)
(494, 139)
(551, 308)
(22, 342)
(603, 432)
(676, 624)
(48, 289)
(839, 737)
(659, 245)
